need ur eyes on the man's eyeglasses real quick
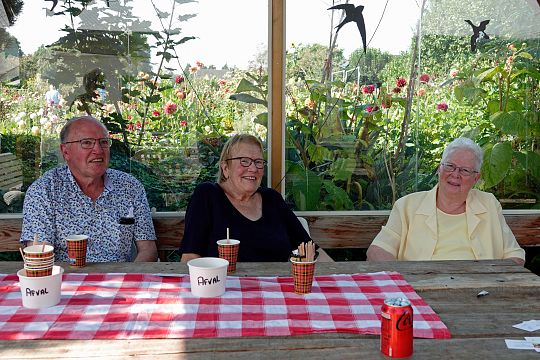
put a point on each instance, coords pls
(88, 143)
(246, 162)
(462, 171)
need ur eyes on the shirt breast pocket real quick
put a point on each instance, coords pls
(126, 243)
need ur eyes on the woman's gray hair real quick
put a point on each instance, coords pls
(228, 148)
(463, 143)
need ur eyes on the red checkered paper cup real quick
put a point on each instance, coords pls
(303, 276)
(76, 247)
(228, 250)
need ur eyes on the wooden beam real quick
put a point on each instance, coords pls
(276, 71)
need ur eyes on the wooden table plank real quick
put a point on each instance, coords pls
(315, 347)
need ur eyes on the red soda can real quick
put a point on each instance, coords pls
(397, 328)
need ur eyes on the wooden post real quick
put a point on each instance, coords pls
(276, 113)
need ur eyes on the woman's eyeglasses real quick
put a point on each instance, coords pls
(88, 143)
(246, 161)
(462, 171)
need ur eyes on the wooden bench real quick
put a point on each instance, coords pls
(330, 231)
(11, 176)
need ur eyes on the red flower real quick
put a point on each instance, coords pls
(130, 127)
(139, 125)
(129, 117)
(156, 113)
(396, 90)
(169, 108)
(179, 79)
(371, 109)
(442, 106)
(199, 64)
(222, 82)
(401, 82)
(424, 78)
(368, 89)
(183, 123)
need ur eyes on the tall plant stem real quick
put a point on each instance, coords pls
(165, 46)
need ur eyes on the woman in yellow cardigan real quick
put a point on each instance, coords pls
(452, 221)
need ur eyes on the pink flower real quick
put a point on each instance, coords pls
(442, 106)
(169, 108)
(401, 82)
(199, 64)
(156, 113)
(424, 78)
(139, 125)
(421, 92)
(368, 89)
(371, 109)
(222, 82)
(130, 127)
(454, 73)
(396, 90)
(183, 123)
(179, 79)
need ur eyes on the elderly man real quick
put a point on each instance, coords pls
(85, 197)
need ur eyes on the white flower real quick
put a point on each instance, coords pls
(208, 129)
(54, 118)
(40, 112)
(35, 130)
(33, 116)
(20, 124)
(43, 120)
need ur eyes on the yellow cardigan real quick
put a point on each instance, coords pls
(411, 230)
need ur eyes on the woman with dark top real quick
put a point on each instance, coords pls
(259, 217)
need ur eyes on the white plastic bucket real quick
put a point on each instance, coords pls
(208, 276)
(41, 292)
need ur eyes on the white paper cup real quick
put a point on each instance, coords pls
(41, 292)
(208, 276)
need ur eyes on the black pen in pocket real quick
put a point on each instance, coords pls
(129, 219)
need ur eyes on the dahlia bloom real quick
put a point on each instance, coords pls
(401, 82)
(183, 123)
(179, 79)
(156, 113)
(442, 106)
(169, 108)
(368, 89)
(424, 78)
(396, 90)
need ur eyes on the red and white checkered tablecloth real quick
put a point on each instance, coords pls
(132, 306)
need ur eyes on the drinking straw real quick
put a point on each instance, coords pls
(227, 235)
(35, 239)
(43, 247)
(22, 254)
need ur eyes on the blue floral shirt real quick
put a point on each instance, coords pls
(55, 207)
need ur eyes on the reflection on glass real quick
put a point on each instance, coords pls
(365, 128)
(169, 80)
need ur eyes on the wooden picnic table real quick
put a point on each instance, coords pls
(478, 325)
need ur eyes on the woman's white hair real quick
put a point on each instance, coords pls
(463, 143)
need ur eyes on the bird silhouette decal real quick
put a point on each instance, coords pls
(353, 13)
(54, 3)
(479, 32)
